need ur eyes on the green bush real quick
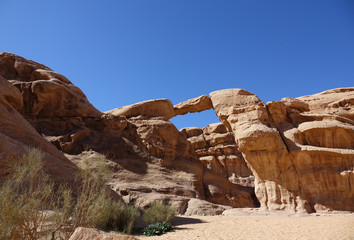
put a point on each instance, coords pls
(157, 229)
(32, 208)
(159, 212)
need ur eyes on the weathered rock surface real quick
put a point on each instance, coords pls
(82, 233)
(200, 207)
(217, 150)
(46, 94)
(193, 105)
(17, 136)
(146, 154)
(339, 102)
(164, 144)
(299, 150)
(151, 108)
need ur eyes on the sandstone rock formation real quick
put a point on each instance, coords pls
(299, 150)
(17, 135)
(217, 150)
(193, 105)
(151, 108)
(82, 233)
(179, 170)
(43, 89)
(149, 159)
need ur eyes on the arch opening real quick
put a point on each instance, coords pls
(215, 146)
(198, 119)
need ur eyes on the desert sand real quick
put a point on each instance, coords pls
(262, 226)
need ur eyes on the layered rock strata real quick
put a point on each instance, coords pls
(17, 135)
(187, 177)
(148, 158)
(299, 150)
(217, 150)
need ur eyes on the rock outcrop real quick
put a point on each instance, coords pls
(217, 150)
(46, 94)
(148, 158)
(82, 233)
(299, 150)
(179, 169)
(17, 135)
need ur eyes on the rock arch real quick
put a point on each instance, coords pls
(215, 145)
(299, 150)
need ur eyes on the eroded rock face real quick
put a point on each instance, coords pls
(147, 109)
(82, 233)
(163, 143)
(217, 150)
(299, 150)
(17, 136)
(146, 154)
(46, 94)
(193, 105)
(338, 102)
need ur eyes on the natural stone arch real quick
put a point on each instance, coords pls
(215, 144)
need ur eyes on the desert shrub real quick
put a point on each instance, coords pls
(157, 229)
(159, 212)
(31, 207)
(93, 206)
(114, 216)
(88, 207)
(25, 199)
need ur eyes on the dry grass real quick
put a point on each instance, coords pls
(31, 209)
(158, 212)
(24, 199)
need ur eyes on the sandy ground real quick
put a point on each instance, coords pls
(251, 225)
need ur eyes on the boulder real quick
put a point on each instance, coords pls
(201, 207)
(191, 132)
(162, 139)
(82, 233)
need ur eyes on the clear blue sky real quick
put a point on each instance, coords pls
(123, 52)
